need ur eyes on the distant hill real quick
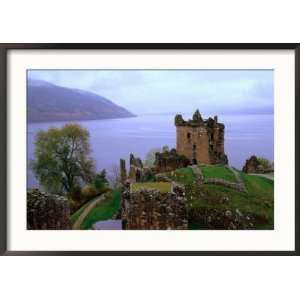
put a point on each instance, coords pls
(49, 102)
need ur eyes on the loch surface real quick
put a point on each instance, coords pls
(113, 139)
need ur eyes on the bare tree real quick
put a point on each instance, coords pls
(114, 177)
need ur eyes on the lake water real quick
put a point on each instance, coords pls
(113, 139)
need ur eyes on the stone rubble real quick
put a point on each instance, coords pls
(47, 211)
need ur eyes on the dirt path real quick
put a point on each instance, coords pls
(198, 174)
(269, 176)
(87, 210)
(238, 178)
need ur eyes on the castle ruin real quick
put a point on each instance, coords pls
(201, 141)
(151, 209)
(47, 211)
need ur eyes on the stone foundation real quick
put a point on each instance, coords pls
(152, 209)
(47, 211)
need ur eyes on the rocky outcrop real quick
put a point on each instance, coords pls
(47, 211)
(253, 165)
(152, 209)
(169, 161)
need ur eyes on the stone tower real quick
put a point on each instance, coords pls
(201, 141)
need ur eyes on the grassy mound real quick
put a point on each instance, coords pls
(258, 185)
(217, 171)
(183, 175)
(260, 206)
(257, 202)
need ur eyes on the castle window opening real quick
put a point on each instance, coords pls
(194, 160)
(189, 137)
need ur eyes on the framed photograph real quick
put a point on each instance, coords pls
(149, 149)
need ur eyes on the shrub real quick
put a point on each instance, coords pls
(76, 199)
(76, 194)
(88, 192)
(100, 181)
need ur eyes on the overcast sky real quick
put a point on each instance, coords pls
(163, 91)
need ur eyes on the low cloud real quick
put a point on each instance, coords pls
(162, 91)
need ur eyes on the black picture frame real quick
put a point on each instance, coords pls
(4, 48)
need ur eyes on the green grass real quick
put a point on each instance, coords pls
(163, 187)
(217, 171)
(183, 175)
(257, 202)
(104, 210)
(257, 185)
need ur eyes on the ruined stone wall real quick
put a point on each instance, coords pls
(47, 211)
(151, 209)
(137, 172)
(123, 172)
(202, 141)
(169, 160)
(253, 165)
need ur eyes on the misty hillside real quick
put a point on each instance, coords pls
(49, 102)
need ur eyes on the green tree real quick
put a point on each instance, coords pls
(100, 180)
(62, 160)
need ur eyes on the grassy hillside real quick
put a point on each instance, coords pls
(49, 102)
(218, 171)
(255, 206)
(183, 175)
(257, 185)
(210, 206)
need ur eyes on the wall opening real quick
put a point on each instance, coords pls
(194, 160)
(188, 137)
